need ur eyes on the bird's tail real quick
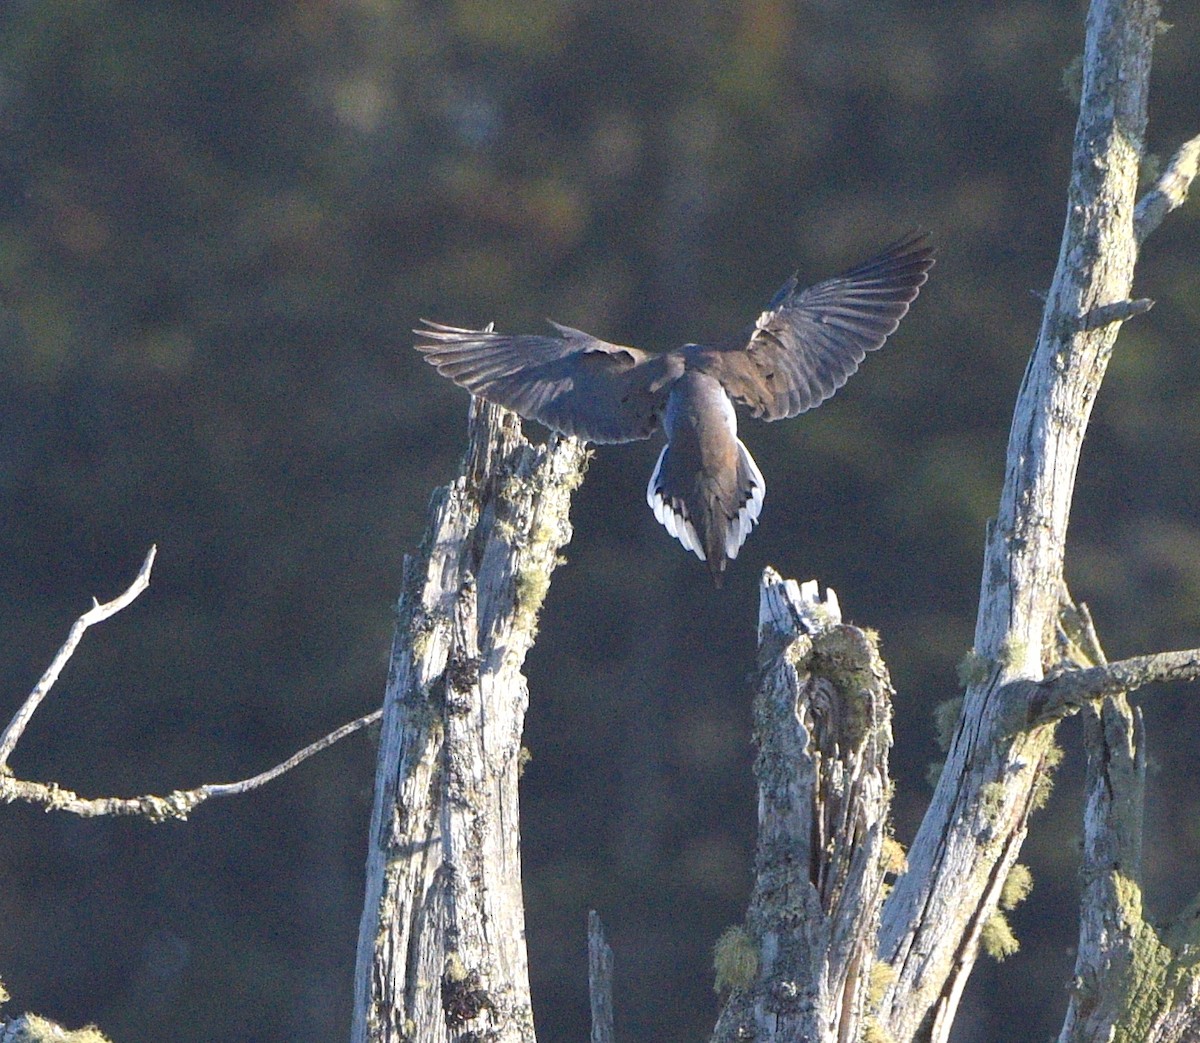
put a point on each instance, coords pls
(711, 518)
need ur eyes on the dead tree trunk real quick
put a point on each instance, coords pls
(823, 956)
(969, 840)
(972, 834)
(442, 942)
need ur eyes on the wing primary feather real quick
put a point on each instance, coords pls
(810, 341)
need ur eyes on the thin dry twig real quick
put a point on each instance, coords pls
(230, 789)
(177, 805)
(96, 614)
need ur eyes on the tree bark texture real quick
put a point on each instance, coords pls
(1133, 983)
(442, 943)
(823, 731)
(969, 840)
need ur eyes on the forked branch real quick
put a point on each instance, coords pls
(176, 805)
(96, 614)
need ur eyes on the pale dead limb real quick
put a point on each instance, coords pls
(96, 614)
(1067, 692)
(231, 789)
(177, 805)
(1169, 191)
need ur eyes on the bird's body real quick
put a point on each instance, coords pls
(706, 489)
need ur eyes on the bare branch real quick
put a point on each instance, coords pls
(52, 797)
(96, 614)
(1169, 191)
(231, 789)
(600, 980)
(177, 805)
(1068, 691)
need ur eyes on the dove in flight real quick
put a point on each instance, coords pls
(706, 489)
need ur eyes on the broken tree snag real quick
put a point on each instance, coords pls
(801, 967)
(441, 952)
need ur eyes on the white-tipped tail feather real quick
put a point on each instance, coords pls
(674, 517)
(747, 515)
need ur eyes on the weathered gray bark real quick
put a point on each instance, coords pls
(970, 838)
(1132, 982)
(442, 942)
(941, 908)
(823, 729)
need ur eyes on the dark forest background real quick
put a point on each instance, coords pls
(219, 222)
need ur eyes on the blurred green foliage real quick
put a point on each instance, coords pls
(218, 223)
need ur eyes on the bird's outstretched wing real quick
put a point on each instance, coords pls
(572, 382)
(808, 342)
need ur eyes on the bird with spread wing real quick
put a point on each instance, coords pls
(706, 489)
